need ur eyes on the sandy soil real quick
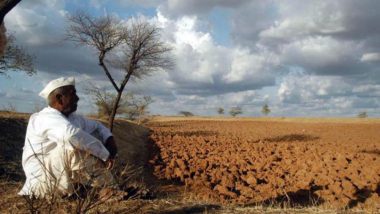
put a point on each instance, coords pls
(304, 162)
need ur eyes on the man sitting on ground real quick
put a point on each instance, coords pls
(63, 149)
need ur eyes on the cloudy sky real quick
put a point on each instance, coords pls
(302, 58)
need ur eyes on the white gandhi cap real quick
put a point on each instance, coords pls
(54, 84)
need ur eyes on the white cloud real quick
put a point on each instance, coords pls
(367, 90)
(178, 8)
(303, 19)
(143, 3)
(245, 65)
(250, 101)
(299, 88)
(370, 57)
(293, 29)
(36, 25)
(204, 67)
(323, 55)
(323, 37)
(331, 42)
(98, 3)
(301, 94)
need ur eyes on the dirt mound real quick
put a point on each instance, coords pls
(132, 142)
(12, 129)
(245, 162)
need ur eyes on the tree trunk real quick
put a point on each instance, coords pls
(102, 54)
(5, 7)
(119, 91)
(116, 104)
(114, 109)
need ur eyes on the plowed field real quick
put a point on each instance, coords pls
(248, 162)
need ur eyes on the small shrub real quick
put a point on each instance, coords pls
(265, 110)
(235, 111)
(186, 113)
(363, 115)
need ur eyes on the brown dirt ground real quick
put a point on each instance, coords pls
(228, 166)
(302, 162)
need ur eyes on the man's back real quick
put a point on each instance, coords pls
(50, 131)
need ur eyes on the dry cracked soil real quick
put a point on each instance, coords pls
(263, 162)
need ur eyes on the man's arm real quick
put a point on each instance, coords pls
(105, 134)
(93, 127)
(101, 132)
(61, 131)
(111, 147)
(85, 142)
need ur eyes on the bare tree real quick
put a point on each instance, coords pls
(133, 49)
(12, 57)
(15, 58)
(5, 7)
(132, 106)
(363, 114)
(265, 110)
(9, 108)
(136, 107)
(3, 39)
(220, 110)
(104, 100)
(235, 111)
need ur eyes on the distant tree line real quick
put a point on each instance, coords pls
(265, 110)
(236, 110)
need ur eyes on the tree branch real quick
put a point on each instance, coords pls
(106, 71)
(7, 6)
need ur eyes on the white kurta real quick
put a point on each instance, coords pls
(50, 151)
